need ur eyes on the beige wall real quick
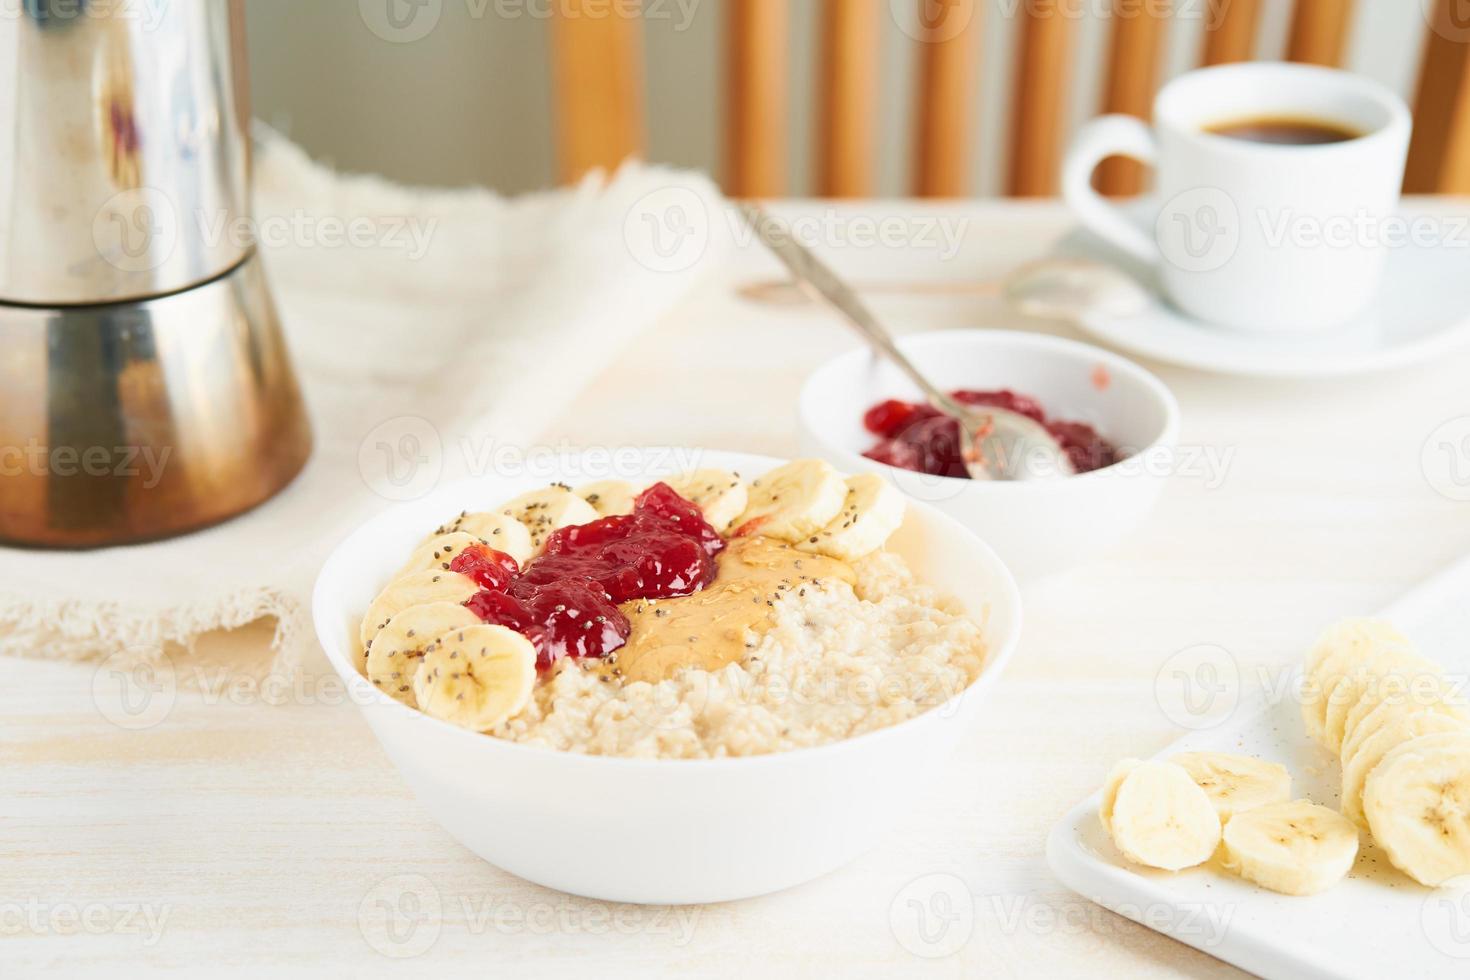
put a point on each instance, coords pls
(469, 100)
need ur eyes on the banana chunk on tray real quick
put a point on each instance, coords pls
(1417, 803)
(1159, 817)
(1236, 783)
(1295, 848)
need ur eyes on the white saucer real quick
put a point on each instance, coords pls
(1422, 310)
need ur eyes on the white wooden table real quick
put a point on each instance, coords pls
(241, 838)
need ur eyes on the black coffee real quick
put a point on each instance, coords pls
(1285, 131)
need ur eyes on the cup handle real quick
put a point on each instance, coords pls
(1106, 136)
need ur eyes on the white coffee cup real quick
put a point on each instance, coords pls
(1248, 234)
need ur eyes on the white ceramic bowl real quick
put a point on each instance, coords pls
(1038, 527)
(661, 831)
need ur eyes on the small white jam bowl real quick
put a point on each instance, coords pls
(661, 831)
(1038, 527)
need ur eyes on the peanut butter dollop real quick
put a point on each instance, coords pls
(711, 628)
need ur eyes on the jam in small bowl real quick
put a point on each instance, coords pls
(1117, 422)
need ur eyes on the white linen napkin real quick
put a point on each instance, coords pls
(448, 320)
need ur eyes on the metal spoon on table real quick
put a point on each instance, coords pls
(1058, 288)
(1002, 445)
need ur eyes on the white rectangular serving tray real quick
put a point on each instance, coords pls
(1377, 923)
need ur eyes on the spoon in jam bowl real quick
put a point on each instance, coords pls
(1000, 444)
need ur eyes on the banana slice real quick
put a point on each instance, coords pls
(609, 497)
(413, 589)
(1236, 783)
(1371, 752)
(873, 511)
(1162, 819)
(476, 677)
(1369, 679)
(1438, 699)
(794, 501)
(1338, 650)
(1417, 801)
(500, 531)
(438, 552)
(1115, 779)
(398, 649)
(543, 511)
(1395, 687)
(1297, 848)
(719, 493)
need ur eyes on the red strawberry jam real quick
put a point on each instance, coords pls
(492, 569)
(917, 437)
(566, 600)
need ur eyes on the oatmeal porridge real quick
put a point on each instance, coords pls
(699, 617)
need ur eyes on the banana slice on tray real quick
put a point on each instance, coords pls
(1378, 674)
(1236, 783)
(610, 498)
(500, 531)
(1162, 819)
(1342, 647)
(543, 511)
(1115, 779)
(1371, 752)
(413, 589)
(398, 649)
(1417, 803)
(872, 512)
(1440, 699)
(719, 493)
(438, 552)
(476, 677)
(1296, 848)
(793, 502)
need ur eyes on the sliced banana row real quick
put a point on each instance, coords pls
(546, 510)
(610, 498)
(719, 493)
(871, 513)
(1347, 655)
(499, 531)
(438, 551)
(476, 677)
(414, 589)
(397, 651)
(807, 503)
(1168, 814)
(793, 502)
(1402, 735)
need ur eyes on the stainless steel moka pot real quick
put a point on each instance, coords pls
(144, 386)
